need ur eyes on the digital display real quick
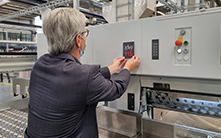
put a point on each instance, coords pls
(128, 49)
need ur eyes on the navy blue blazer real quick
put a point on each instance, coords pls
(64, 95)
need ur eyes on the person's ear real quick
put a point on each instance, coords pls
(78, 40)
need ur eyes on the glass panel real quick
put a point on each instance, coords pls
(2, 47)
(13, 36)
(26, 37)
(2, 35)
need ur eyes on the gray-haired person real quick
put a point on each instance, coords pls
(63, 92)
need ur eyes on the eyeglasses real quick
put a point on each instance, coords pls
(86, 32)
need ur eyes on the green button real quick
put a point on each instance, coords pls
(185, 43)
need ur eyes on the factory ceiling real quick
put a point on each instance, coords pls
(10, 6)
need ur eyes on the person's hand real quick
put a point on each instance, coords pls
(117, 64)
(132, 63)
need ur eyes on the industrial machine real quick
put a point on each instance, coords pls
(177, 86)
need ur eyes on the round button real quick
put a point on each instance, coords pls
(179, 58)
(185, 51)
(178, 43)
(185, 43)
(186, 58)
(179, 51)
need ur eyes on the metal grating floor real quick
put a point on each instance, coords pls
(13, 123)
(6, 91)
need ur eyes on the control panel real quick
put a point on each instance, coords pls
(182, 46)
(155, 49)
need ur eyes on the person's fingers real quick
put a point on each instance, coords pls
(124, 61)
(136, 57)
(121, 64)
(121, 58)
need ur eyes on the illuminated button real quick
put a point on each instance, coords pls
(178, 43)
(186, 43)
(179, 51)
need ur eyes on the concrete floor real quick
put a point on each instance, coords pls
(6, 91)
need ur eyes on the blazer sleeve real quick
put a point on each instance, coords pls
(105, 72)
(101, 89)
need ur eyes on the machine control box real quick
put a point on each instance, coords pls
(182, 46)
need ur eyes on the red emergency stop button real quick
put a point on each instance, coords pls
(178, 43)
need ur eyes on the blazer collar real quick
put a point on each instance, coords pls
(66, 56)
